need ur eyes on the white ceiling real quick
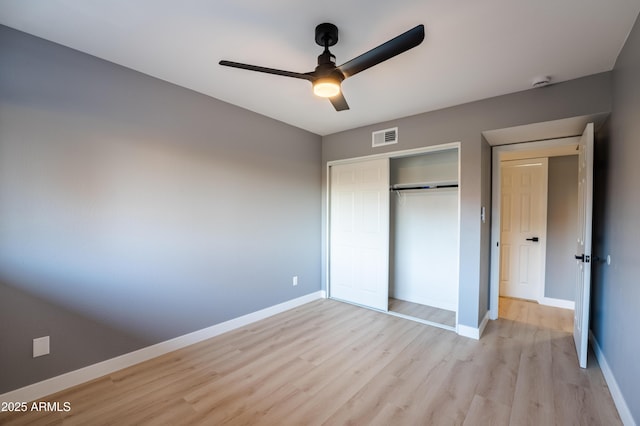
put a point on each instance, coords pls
(473, 49)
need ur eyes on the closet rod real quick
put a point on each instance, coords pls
(392, 188)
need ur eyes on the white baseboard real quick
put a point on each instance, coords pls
(472, 332)
(616, 394)
(558, 303)
(484, 323)
(64, 381)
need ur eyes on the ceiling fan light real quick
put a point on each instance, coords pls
(326, 87)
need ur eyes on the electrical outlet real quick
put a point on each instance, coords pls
(40, 346)
(295, 280)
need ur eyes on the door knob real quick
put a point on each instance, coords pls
(534, 239)
(582, 257)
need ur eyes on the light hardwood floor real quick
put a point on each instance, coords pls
(429, 313)
(332, 363)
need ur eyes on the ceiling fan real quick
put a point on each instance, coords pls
(326, 78)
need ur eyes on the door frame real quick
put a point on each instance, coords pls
(389, 155)
(544, 148)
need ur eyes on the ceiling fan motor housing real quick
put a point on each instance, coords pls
(326, 35)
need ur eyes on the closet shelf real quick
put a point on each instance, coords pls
(424, 185)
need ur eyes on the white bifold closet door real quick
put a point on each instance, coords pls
(359, 233)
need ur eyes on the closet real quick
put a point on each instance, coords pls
(394, 234)
(423, 278)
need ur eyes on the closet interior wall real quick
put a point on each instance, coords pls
(424, 227)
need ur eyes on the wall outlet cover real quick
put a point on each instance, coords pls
(40, 346)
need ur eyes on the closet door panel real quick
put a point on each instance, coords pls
(359, 233)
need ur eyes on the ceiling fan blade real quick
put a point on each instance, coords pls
(267, 70)
(339, 102)
(391, 48)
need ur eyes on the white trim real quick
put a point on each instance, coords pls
(558, 303)
(56, 384)
(616, 394)
(471, 332)
(554, 129)
(484, 323)
(397, 154)
(459, 231)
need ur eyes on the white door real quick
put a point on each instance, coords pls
(583, 250)
(523, 227)
(359, 233)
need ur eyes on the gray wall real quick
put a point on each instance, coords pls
(616, 288)
(464, 123)
(562, 210)
(133, 211)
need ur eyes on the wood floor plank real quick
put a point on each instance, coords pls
(498, 370)
(487, 412)
(429, 313)
(421, 390)
(234, 401)
(574, 404)
(564, 358)
(452, 401)
(602, 397)
(332, 363)
(397, 379)
(534, 387)
(377, 354)
(365, 405)
(424, 353)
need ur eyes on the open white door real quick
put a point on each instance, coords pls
(583, 250)
(359, 233)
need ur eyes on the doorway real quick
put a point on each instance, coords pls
(516, 154)
(583, 145)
